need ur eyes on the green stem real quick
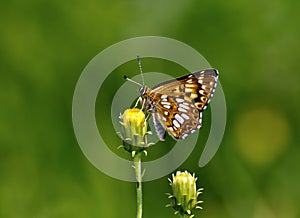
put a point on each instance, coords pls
(138, 174)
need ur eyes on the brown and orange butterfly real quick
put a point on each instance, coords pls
(176, 105)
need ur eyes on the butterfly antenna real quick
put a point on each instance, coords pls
(141, 71)
(130, 80)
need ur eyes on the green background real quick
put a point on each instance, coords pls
(45, 45)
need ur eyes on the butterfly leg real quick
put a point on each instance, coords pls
(143, 102)
(137, 101)
(147, 117)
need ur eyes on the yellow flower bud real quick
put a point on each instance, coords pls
(134, 130)
(134, 121)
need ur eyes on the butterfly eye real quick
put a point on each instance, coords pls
(142, 90)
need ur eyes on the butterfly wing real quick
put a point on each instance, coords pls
(179, 119)
(159, 128)
(179, 103)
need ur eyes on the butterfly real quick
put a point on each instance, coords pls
(176, 105)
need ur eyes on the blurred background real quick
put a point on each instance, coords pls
(45, 45)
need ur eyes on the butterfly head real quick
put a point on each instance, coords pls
(143, 90)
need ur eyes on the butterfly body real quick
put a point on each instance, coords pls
(176, 105)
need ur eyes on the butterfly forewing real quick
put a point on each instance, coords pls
(177, 104)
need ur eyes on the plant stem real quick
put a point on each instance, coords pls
(138, 174)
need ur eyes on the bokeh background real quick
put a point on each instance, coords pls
(45, 45)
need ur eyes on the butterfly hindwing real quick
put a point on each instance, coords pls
(177, 116)
(159, 127)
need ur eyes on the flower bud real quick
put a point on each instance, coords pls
(134, 129)
(185, 194)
